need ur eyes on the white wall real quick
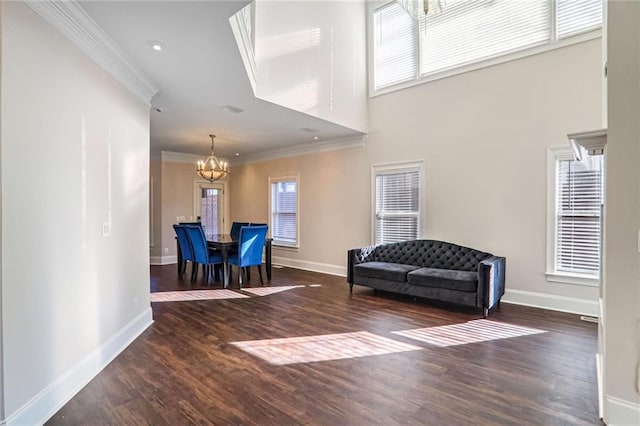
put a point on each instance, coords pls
(74, 155)
(311, 57)
(483, 136)
(622, 217)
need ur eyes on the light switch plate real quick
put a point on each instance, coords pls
(106, 229)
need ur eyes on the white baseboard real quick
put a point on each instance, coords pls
(619, 412)
(306, 265)
(48, 401)
(600, 385)
(516, 297)
(163, 260)
(549, 301)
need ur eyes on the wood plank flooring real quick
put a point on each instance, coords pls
(184, 369)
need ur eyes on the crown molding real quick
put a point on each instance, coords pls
(297, 150)
(70, 19)
(180, 157)
(289, 151)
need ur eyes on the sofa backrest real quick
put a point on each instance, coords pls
(430, 254)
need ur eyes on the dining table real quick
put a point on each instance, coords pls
(225, 242)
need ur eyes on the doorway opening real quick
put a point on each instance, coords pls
(209, 207)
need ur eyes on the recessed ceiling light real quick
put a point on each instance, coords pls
(155, 45)
(315, 138)
(237, 154)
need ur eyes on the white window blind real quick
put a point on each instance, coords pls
(397, 205)
(577, 16)
(467, 31)
(284, 212)
(396, 46)
(579, 196)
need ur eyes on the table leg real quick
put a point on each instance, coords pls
(181, 266)
(268, 260)
(225, 267)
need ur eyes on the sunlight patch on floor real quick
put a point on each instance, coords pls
(326, 347)
(265, 291)
(469, 332)
(188, 295)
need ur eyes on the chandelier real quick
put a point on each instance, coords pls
(213, 169)
(418, 9)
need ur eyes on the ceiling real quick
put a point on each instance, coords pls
(199, 71)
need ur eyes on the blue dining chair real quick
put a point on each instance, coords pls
(201, 252)
(235, 233)
(235, 229)
(185, 250)
(250, 246)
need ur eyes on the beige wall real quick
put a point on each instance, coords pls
(333, 190)
(177, 200)
(483, 137)
(72, 297)
(155, 208)
(622, 217)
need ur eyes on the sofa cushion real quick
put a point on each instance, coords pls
(384, 270)
(444, 278)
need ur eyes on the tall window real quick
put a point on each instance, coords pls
(395, 46)
(578, 195)
(284, 211)
(397, 202)
(466, 32)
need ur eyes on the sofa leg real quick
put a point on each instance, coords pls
(485, 312)
(350, 287)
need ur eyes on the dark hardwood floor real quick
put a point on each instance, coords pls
(184, 369)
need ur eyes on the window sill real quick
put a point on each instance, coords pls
(559, 277)
(285, 247)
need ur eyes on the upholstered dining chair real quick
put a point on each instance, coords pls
(250, 246)
(235, 229)
(201, 252)
(185, 250)
(235, 233)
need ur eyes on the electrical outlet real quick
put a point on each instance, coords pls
(106, 229)
(166, 250)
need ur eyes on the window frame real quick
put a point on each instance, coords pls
(553, 44)
(401, 166)
(276, 243)
(554, 155)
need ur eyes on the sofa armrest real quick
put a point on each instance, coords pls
(491, 278)
(356, 256)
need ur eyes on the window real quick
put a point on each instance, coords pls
(396, 202)
(576, 198)
(395, 46)
(284, 211)
(466, 32)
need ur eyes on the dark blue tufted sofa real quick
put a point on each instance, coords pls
(430, 269)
